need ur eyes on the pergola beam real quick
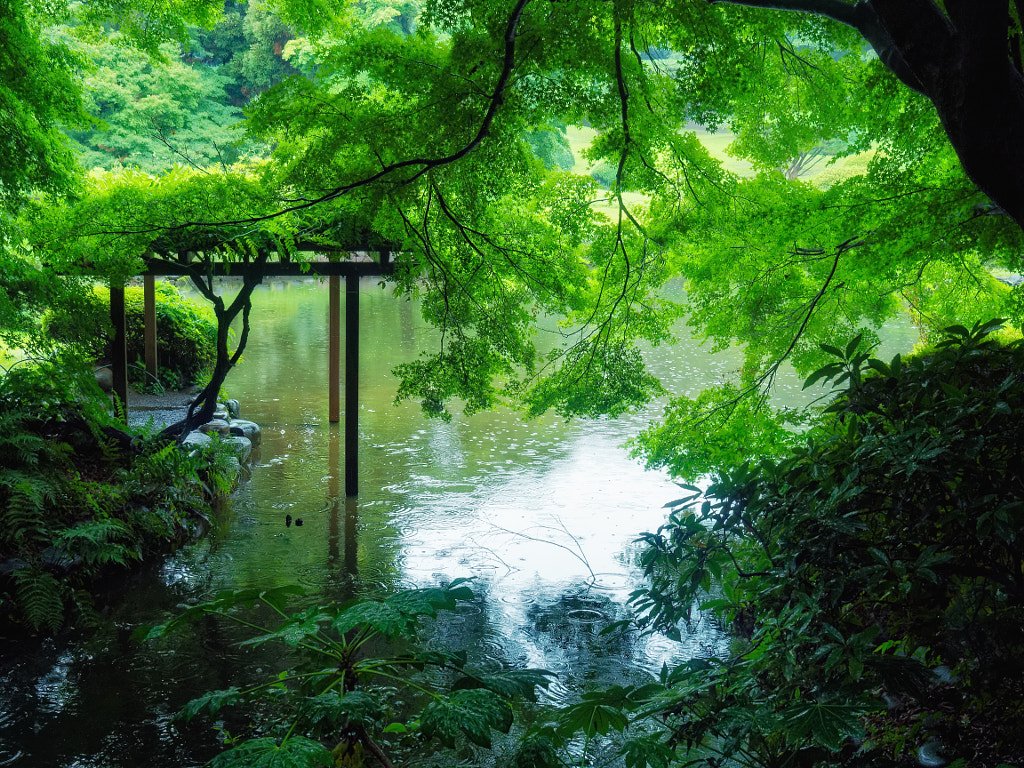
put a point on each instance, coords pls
(351, 269)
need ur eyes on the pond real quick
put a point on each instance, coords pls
(541, 514)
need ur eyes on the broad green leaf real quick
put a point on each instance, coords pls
(648, 751)
(359, 707)
(295, 752)
(380, 616)
(471, 713)
(851, 347)
(297, 629)
(830, 724)
(210, 703)
(509, 684)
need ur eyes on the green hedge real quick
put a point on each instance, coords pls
(186, 334)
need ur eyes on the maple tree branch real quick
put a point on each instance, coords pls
(862, 16)
(423, 163)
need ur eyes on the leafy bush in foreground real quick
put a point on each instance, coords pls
(887, 547)
(353, 664)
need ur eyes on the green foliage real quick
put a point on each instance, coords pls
(424, 125)
(29, 291)
(552, 148)
(186, 334)
(604, 174)
(40, 82)
(38, 93)
(342, 693)
(39, 597)
(153, 114)
(467, 713)
(720, 427)
(431, 141)
(266, 752)
(248, 47)
(884, 545)
(79, 497)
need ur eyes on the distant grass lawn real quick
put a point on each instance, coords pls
(717, 144)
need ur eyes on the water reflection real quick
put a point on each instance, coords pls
(541, 514)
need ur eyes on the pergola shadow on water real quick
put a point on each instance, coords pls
(363, 260)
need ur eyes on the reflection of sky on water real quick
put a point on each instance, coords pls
(528, 509)
(56, 689)
(549, 542)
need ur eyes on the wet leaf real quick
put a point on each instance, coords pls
(514, 682)
(210, 703)
(296, 752)
(472, 713)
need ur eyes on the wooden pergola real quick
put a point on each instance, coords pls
(358, 264)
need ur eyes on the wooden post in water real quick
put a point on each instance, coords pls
(351, 384)
(334, 348)
(119, 349)
(149, 323)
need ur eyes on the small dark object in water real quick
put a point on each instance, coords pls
(298, 521)
(288, 521)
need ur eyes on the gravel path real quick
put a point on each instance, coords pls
(163, 409)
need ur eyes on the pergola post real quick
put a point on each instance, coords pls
(351, 384)
(149, 323)
(334, 349)
(119, 350)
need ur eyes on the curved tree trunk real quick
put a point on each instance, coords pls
(960, 59)
(202, 408)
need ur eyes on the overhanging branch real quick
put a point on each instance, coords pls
(861, 15)
(423, 164)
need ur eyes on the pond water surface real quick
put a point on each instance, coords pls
(541, 514)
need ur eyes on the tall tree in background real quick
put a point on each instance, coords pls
(41, 73)
(153, 114)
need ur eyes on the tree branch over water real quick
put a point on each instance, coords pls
(423, 164)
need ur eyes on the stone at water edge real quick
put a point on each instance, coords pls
(233, 408)
(216, 426)
(249, 429)
(242, 447)
(196, 439)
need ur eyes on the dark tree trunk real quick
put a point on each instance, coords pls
(203, 407)
(961, 60)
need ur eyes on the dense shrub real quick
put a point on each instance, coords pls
(552, 148)
(186, 333)
(78, 496)
(186, 336)
(604, 174)
(888, 547)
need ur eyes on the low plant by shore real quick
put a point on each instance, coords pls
(80, 496)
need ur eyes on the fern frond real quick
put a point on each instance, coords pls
(21, 449)
(100, 542)
(23, 514)
(38, 595)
